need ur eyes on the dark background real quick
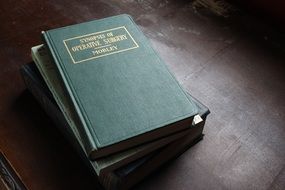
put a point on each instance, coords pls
(230, 58)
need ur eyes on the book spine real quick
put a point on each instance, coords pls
(89, 143)
(50, 107)
(39, 92)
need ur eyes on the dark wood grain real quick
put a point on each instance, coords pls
(9, 178)
(235, 65)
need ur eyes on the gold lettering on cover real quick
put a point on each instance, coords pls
(104, 50)
(100, 44)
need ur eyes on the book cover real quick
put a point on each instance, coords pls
(121, 90)
(124, 176)
(106, 163)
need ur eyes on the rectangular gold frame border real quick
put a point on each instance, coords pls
(75, 62)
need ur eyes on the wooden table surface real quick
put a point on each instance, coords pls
(233, 62)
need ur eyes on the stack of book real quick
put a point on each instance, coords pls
(114, 99)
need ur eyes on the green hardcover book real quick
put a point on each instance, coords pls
(107, 163)
(122, 92)
(129, 174)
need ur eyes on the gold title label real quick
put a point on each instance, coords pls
(99, 44)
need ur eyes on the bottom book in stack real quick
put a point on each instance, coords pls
(117, 174)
